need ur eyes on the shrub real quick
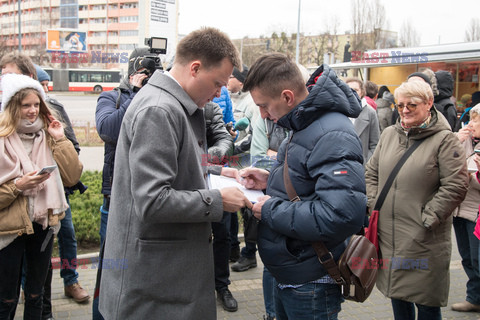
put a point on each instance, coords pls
(86, 209)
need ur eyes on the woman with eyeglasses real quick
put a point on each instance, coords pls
(465, 216)
(414, 223)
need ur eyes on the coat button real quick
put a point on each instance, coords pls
(208, 199)
(207, 213)
(210, 239)
(200, 143)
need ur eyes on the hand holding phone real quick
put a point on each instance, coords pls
(47, 169)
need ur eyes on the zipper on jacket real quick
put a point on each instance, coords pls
(393, 240)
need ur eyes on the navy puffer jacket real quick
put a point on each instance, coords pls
(326, 168)
(111, 107)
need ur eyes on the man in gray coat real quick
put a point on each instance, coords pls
(158, 261)
(366, 125)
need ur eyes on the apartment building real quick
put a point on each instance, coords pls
(111, 26)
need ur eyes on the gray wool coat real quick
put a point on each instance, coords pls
(160, 217)
(368, 130)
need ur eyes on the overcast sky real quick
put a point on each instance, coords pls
(435, 22)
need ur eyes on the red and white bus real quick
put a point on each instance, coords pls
(93, 80)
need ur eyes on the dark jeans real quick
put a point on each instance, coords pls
(234, 243)
(308, 302)
(67, 247)
(403, 310)
(468, 245)
(104, 209)
(221, 251)
(269, 284)
(37, 263)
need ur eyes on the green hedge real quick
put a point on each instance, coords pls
(86, 209)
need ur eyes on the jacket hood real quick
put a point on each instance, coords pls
(445, 85)
(328, 93)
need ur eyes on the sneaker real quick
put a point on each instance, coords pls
(77, 293)
(243, 264)
(465, 306)
(234, 254)
(227, 300)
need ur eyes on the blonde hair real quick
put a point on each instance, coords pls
(10, 117)
(418, 91)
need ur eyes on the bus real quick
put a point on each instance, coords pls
(89, 80)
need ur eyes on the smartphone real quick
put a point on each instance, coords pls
(47, 169)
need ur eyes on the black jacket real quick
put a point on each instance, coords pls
(442, 101)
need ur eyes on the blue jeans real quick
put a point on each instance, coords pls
(37, 263)
(311, 301)
(104, 209)
(67, 247)
(403, 310)
(269, 284)
(468, 246)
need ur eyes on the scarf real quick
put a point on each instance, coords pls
(15, 162)
(423, 125)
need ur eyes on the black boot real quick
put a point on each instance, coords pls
(228, 301)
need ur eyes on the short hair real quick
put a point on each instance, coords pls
(272, 73)
(371, 89)
(357, 80)
(433, 79)
(418, 91)
(209, 45)
(22, 61)
(475, 111)
(10, 117)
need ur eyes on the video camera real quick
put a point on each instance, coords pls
(157, 46)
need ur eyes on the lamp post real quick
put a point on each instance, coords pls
(19, 27)
(298, 33)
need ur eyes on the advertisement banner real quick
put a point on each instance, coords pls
(66, 41)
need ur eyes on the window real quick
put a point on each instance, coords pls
(127, 19)
(129, 33)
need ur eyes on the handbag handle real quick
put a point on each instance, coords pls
(393, 174)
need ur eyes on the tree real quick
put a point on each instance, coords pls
(368, 21)
(409, 36)
(473, 30)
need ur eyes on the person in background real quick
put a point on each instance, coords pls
(443, 100)
(416, 218)
(20, 63)
(220, 146)
(111, 107)
(371, 94)
(465, 216)
(161, 210)
(332, 208)
(366, 125)
(245, 112)
(225, 104)
(385, 102)
(468, 103)
(32, 205)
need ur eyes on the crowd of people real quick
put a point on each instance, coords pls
(210, 114)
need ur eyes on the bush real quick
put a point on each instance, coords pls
(86, 209)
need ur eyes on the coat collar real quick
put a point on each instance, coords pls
(170, 85)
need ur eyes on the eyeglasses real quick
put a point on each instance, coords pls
(410, 106)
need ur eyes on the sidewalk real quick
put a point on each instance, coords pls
(246, 287)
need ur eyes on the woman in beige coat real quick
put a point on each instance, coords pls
(414, 225)
(31, 204)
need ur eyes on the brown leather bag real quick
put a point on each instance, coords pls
(356, 271)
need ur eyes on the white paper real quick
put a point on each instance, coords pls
(220, 182)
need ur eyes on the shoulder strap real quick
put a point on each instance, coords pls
(393, 174)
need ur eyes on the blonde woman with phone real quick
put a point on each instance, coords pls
(31, 204)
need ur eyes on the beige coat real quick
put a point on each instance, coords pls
(468, 209)
(415, 221)
(14, 217)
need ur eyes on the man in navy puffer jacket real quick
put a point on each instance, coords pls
(326, 169)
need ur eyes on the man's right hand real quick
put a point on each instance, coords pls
(254, 178)
(137, 79)
(234, 199)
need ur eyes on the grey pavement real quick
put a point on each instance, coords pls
(246, 286)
